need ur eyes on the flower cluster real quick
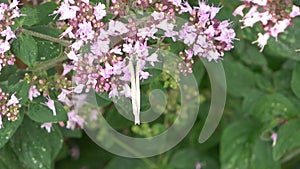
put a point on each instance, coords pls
(106, 67)
(7, 14)
(273, 15)
(9, 107)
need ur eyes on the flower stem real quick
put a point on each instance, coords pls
(47, 37)
(49, 63)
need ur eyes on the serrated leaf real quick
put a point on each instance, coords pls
(9, 129)
(274, 106)
(295, 83)
(288, 138)
(21, 91)
(44, 12)
(35, 147)
(25, 48)
(242, 148)
(42, 114)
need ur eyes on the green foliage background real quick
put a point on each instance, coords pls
(263, 97)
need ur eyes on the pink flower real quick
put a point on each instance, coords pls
(152, 58)
(74, 119)
(116, 28)
(33, 92)
(47, 126)
(66, 11)
(262, 40)
(198, 165)
(4, 46)
(67, 68)
(260, 2)
(1, 123)
(99, 11)
(279, 27)
(274, 137)
(158, 15)
(239, 10)
(295, 11)
(63, 97)
(14, 4)
(78, 88)
(50, 104)
(72, 55)
(175, 2)
(68, 32)
(85, 31)
(8, 34)
(13, 100)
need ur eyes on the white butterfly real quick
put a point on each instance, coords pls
(134, 67)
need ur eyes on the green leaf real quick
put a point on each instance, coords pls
(42, 114)
(188, 157)
(7, 71)
(35, 147)
(47, 49)
(21, 90)
(241, 148)
(30, 16)
(76, 133)
(295, 84)
(9, 129)
(102, 99)
(274, 106)
(9, 160)
(127, 163)
(25, 48)
(240, 79)
(44, 12)
(288, 139)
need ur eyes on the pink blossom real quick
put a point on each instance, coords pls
(14, 4)
(67, 68)
(116, 28)
(126, 91)
(1, 123)
(8, 34)
(262, 40)
(68, 32)
(50, 104)
(72, 55)
(66, 11)
(239, 10)
(260, 2)
(74, 119)
(279, 27)
(47, 126)
(4, 46)
(198, 165)
(85, 31)
(13, 100)
(274, 137)
(78, 88)
(100, 46)
(157, 15)
(33, 92)
(147, 32)
(99, 11)
(77, 45)
(295, 11)
(190, 54)
(63, 97)
(175, 2)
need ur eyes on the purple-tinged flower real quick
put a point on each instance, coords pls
(274, 16)
(8, 34)
(67, 68)
(51, 105)
(74, 120)
(274, 137)
(63, 97)
(116, 28)
(33, 92)
(198, 165)
(85, 31)
(158, 15)
(99, 11)
(47, 126)
(66, 11)
(13, 100)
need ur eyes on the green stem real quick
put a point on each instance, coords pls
(47, 37)
(49, 63)
(291, 156)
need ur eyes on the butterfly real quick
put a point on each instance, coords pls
(134, 67)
